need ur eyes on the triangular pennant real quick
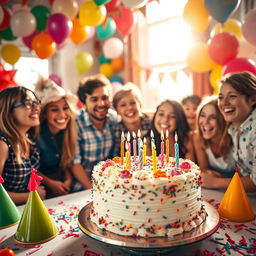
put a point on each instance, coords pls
(174, 75)
(161, 76)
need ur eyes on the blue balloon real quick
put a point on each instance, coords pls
(107, 29)
(116, 79)
(221, 10)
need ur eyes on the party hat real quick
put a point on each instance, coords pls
(36, 225)
(9, 214)
(235, 205)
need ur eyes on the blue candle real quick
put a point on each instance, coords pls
(152, 139)
(176, 149)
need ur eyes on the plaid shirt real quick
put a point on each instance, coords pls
(120, 127)
(93, 145)
(16, 176)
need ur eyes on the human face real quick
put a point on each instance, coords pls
(97, 104)
(58, 114)
(190, 112)
(165, 119)
(128, 108)
(208, 123)
(26, 117)
(234, 106)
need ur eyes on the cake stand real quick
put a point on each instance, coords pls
(151, 245)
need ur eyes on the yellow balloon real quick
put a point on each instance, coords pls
(106, 69)
(232, 26)
(83, 62)
(215, 77)
(196, 15)
(91, 14)
(198, 59)
(10, 53)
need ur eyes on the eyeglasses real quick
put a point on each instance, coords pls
(27, 103)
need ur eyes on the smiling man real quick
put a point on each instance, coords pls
(95, 127)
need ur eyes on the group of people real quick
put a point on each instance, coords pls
(43, 129)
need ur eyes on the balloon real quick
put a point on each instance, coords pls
(79, 33)
(118, 79)
(91, 14)
(196, 16)
(246, 50)
(117, 64)
(106, 69)
(1, 14)
(7, 35)
(116, 86)
(223, 47)
(102, 59)
(41, 14)
(59, 27)
(112, 5)
(10, 53)
(232, 26)
(56, 79)
(198, 59)
(221, 10)
(66, 7)
(113, 48)
(3, 1)
(107, 29)
(215, 77)
(239, 65)
(6, 77)
(5, 19)
(124, 20)
(23, 23)
(27, 40)
(7, 252)
(248, 27)
(134, 3)
(100, 2)
(43, 45)
(83, 62)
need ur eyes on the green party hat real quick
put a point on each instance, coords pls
(9, 214)
(36, 225)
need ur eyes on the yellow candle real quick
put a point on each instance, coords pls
(154, 158)
(127, 158)
(167, 147)
(122, 148)
(144, 151)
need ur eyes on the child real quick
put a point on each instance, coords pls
(190, 104)
(19, 115)
(127, 103)
(237, 103)
(58, 136)
(212, 142)
(170, 117)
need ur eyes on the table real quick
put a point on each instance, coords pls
(72, 242)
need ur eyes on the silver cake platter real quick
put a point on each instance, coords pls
(157, 244)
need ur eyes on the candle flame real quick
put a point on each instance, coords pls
(134, 135)
(126, 146)
(151, 134)
(139, 133)
(176, 137)
(144, 140)
(128, 136)
(167, 134)
(122, 136)
(162, 135)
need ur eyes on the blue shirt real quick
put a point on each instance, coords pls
(93, 144)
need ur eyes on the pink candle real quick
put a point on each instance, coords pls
(128, 142)
(134, 146)
(162, 148)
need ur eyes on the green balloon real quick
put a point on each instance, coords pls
(100, 2)
(7, 34)
(102, 59)
(41, 14)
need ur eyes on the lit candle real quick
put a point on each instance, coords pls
(144, 151)
(140, 160)
(134, 146)
(167, 146)
(128, 140)
(127, 157)
(152, 139)
(122, 148)
(162, 148)
(154, 158)
(176, 148)
(139, 139)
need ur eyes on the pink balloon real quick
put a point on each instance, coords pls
(239, 65)
(27, 40)
(248, 28)
(55, 78)
(246, 50)
(59, 27)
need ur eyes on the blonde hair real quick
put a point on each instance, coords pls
(20, 143)
(69, 141)
(124, 91)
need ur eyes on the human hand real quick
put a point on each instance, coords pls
(58, 188)
(41, 191)
(210, 178)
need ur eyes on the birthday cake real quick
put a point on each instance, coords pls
(140, 202)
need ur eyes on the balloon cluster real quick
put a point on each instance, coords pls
(46, 30)
(231, 43)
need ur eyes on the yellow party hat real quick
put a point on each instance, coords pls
(235, 205)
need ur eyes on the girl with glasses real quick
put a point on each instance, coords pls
(19, 117)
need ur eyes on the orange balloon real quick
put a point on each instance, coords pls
(117, 64)
(43, 45)
(79, 32)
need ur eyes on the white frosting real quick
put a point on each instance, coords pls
(137, 202)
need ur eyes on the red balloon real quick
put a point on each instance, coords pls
(112, 5)
(124, 20)
(6, 19)
(239, 65)
(27, 40)
(223, 47)
(7, 252)
(3, 1)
